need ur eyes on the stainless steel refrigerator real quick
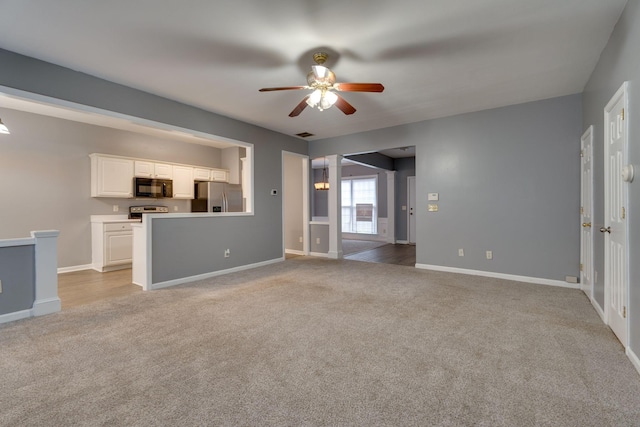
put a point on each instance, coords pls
(217, 197)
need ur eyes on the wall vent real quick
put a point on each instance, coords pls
(304, 134)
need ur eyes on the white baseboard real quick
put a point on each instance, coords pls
(182, 280)
(402, 242)
(73, 268)
(595, 305)
(634, 359)
(319, 254)
(364, 237)
(294, 252)
(46, 306)
(525, 279)
(16, 315)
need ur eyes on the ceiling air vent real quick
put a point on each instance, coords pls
(304, 134)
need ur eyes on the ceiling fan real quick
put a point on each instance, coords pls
(323, 83)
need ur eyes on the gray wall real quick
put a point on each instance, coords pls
(619, 62)
(261, 233)
(405, 168)
(17, 272)
(509, 181)
(45, 166)
(293, 208)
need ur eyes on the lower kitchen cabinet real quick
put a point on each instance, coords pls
(111, 245)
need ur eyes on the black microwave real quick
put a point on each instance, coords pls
(153, 188)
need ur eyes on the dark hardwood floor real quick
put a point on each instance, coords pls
(388, 254)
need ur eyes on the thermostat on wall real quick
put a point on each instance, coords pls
(274, 192)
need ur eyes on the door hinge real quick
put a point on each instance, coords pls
(624, 312)
(581, 267)
(622, 114)
(624, 214)
(581, 153)
(581, 210)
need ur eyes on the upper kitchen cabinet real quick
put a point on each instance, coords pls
(205, 174)
(147, 169)
(182, 182)
(111, 176)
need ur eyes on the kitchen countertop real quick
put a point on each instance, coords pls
(112, 219)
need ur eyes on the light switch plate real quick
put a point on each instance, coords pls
(432, 207)
(432, 196)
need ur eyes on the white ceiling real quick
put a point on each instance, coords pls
(434, 57)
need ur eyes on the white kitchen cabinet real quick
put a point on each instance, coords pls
(111, 245)
(111, 176)
(219, 175)
(147, 169)
(202, 174)
(183, 182)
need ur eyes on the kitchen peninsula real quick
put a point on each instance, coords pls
(171, 249)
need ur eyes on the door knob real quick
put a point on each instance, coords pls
(608, 230)
(586, 224)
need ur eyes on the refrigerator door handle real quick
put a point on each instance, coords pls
(225, 205)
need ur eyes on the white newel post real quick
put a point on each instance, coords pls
(46, 266)
(335, 206)
(391, 206)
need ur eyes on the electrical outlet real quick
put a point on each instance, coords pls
(116, 208)
(460, 252)
(489, 254)
(227, 253)
(175, 208)
(300, 239)
(317, 240)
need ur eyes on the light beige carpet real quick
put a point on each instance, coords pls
(313, 342)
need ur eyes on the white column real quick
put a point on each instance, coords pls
(335, 206)
(46, 266)
(391, 206)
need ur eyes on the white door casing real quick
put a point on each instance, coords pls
(615, 216)
(411, 209)
(586, 212)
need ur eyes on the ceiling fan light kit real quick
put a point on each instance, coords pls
(323, 83)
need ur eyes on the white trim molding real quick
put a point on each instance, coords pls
(74, 268)
(525, 279)
(183, 280)
(294, 252)
(16, 315)
(634, 359)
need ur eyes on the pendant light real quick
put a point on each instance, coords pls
(324, 185)
(3, 128)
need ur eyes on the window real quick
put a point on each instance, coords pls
(359, 205)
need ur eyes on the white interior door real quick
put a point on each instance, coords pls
(586, 209)
(411, 208)
(615, 226)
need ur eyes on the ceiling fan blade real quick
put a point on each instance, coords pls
(359, 87)
(270, 89)
(299, 107)
(344, 106)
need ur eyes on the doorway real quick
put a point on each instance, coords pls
(295, 202)
(411, 210)
(586, 212)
